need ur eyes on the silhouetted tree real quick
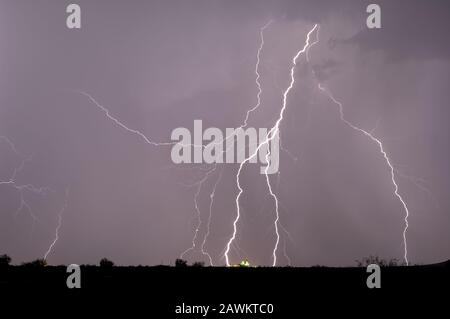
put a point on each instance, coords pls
(106, 263)
(198, 264)
(5, 260)
(366, 261)
(36, 263)
(180, 263)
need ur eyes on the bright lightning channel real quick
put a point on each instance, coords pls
(153, 143)
(258, 76)
(272, 134)
(243, 125)
(60, 219)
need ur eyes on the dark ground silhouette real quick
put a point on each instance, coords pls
(290, 289)
(38, 273)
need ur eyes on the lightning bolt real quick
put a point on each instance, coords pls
(60, 218)
(208, 225)
(272, 134)
(258, 85)
(199, 185)
(149, 141)
(380, 146)
(258, 76)
(275, 198)
(287, 234)
(286, 255)
(22, 188)
(122, 125)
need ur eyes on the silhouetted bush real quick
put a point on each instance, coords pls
(35, 263)
(5, 260)
(366, 261)
(198, 264)
(106, 263)
(180, 263)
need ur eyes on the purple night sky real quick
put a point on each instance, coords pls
(157, 65)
